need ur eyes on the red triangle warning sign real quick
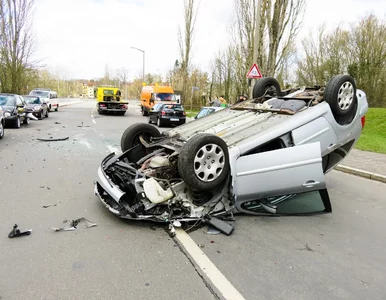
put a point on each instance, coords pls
(254, 72)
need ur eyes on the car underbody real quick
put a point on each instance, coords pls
(259, 157)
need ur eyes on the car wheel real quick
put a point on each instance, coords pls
(266, 86)
(159, 122)
(203, 162)
(49, 108)
(340, 94)
(17, 122)
(26, 121)
(149, 120)
(1, 130)
(41, 116)
(47, 113)
(57, 108)
(131, 136)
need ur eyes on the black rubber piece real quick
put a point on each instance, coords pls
(130, 136)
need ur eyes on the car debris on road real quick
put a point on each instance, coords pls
(264, 156)
(73, 224)
(17, 233)
(51, 139)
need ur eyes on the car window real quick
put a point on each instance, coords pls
(202, 113)
(7, 100)
(296, 204)
(157, 106)
(43, 94)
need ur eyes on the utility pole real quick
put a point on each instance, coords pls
(143, 61)
(256, 42)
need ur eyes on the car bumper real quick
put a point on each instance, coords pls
(112, 109)
(173, 120)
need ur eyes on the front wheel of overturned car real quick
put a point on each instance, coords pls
(266, 86)
(203, 162)
(340, 94)
(131, 136)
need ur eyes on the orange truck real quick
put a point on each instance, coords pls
(151, 95)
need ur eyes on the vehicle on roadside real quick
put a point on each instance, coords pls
(48, 96)
(167, 115)
(2, 123)
(15, 110)
(264, 156)
(207, 110)
(39, 107)
(153, 94)
(109, 100)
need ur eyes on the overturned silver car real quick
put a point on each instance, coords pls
(267, 155)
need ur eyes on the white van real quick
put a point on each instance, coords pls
(48, 96)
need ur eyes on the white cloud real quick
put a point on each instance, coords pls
(82, 36)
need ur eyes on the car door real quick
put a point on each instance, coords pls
(280, 174)
(20, 105)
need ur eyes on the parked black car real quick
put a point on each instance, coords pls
(2, 123)
(38, 106)
(15, 110)
(167, 114)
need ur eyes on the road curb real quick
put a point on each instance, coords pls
(361, 173)
(70, 103)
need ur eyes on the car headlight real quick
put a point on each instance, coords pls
(7, 114)
(37, 108)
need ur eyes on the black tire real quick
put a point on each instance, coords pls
(340, 94)
(2, 125)
(122, 113)
(47, 113)
(196, 164)
(267, 86)
(41, 116)
(57, 108)
(49, 108)
(26, 121)
(17, 123)
(159, 122)
(130, 136)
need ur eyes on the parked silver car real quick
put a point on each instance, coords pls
(267, 155)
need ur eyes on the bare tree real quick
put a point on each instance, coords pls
(282, 20)
(185, 41)
(16, 44)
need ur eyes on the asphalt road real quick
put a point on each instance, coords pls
(335, 256)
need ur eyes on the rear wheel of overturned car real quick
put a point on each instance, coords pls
(266, 86)
(340, 94)
(131, 136)
(203, 162)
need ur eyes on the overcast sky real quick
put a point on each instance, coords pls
(78, 38)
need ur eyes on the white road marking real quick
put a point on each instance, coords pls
(93, 120)
(206, 265)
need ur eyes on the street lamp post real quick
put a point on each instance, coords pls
(143, 67)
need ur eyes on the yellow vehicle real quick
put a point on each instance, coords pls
(109, 100)
(151, 95)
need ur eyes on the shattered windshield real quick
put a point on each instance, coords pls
(32, 100)
(7, 101)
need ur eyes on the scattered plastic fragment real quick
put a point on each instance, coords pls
(17, 233)
(73, 225)
(53, 140)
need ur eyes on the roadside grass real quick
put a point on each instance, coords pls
(373, 137)
(191, 113)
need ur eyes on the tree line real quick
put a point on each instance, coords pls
(262, 31)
